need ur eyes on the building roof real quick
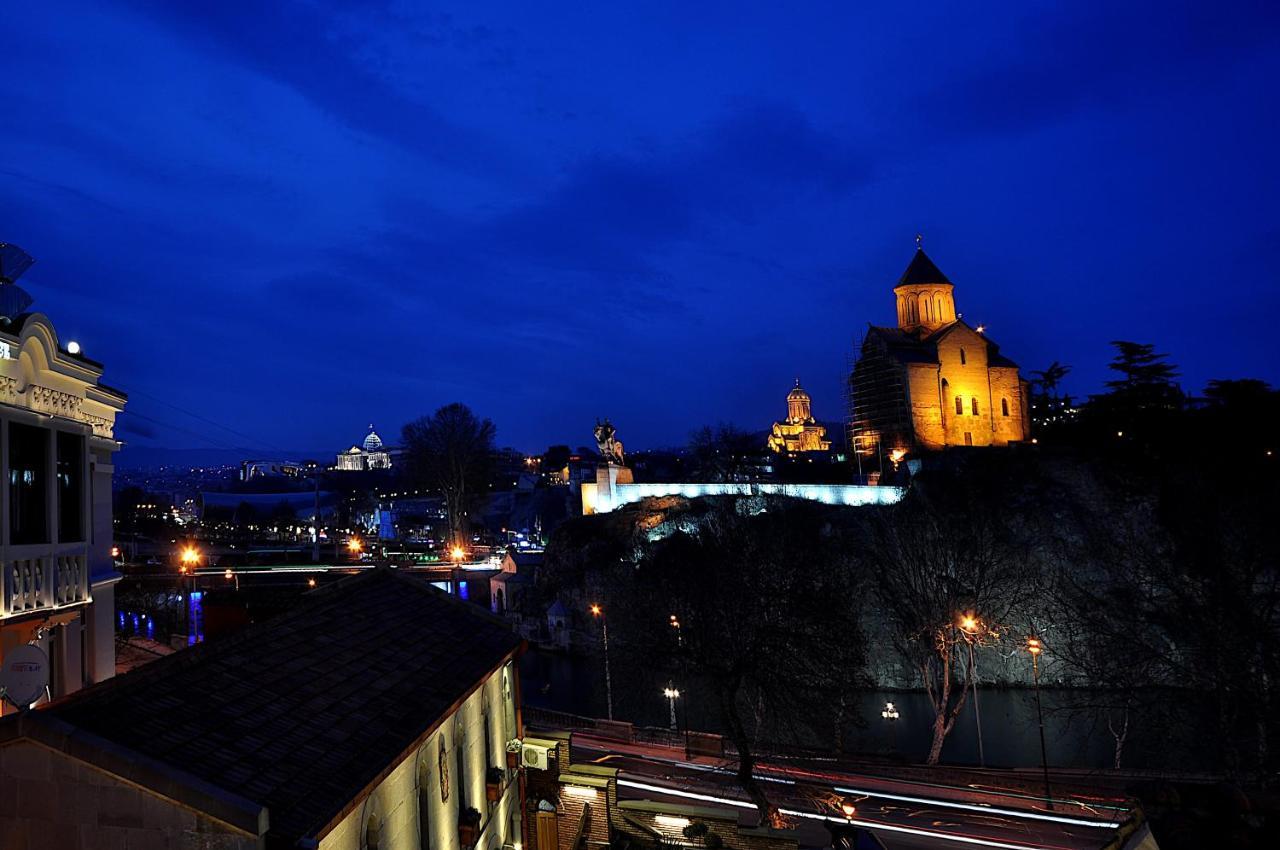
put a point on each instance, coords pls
(304, 712)
(526, 558)
(921, 346)
(921, 270)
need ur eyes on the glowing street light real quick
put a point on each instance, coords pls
(672, 694)
(190, 558)
(1035, 647)
(355, 547)
(889, 712)
(848, 809)
(597, 611)
(457, 553)
(972, 628)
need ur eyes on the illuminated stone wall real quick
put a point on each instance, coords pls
(393, 804)
(602, 499)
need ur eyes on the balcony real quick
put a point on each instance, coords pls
(43, 582)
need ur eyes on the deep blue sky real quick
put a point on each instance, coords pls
(300, 219)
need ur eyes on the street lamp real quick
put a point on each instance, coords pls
(848, 809)
(354, 546)
(972, 628)
(1035, 647)
(457, 553)
(597, 611)
(675, 624)
(190, 557)
(672, 694)
(890, 714)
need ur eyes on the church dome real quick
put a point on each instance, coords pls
(799, 405)
(373, 442)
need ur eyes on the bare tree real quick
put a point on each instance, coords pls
(935, 566)
(452, 452)
(766, 601)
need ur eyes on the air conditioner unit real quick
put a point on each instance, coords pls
(532, 755)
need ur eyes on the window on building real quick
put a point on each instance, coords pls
(460, 768)
(70, 487)
(1004, 407)
(28, 484)
(959, 406)
(372, 832)
(424, 806)
(973, 405)
(962, 358)
(968, 438)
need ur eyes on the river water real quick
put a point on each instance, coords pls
(1010, 731)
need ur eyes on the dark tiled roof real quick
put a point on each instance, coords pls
(921, 270)
(527, 559)
(302, 712)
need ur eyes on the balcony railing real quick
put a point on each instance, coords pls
(43, 582)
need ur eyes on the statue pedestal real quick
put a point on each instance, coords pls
(602, 496)
(607, 475)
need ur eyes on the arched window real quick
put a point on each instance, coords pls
(1004, 407)
(974, 404)
(962, 357)
(959, 406)
(372, 833)
(937, 309)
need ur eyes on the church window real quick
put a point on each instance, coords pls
(959, 406)
(973, 403)
(1004, 407)
(962, 360)
(968, 438)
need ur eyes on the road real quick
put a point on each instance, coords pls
(902, 814)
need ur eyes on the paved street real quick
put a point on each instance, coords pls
(902, 814)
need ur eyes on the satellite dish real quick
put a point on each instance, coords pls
(24, 674)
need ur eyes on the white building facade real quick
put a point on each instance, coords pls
(57, 578)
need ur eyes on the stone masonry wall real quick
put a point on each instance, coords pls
(56, 802)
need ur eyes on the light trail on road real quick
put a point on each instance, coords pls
(869, 824)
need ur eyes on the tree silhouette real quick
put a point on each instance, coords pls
(451, 452)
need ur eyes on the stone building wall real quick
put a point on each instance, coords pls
(57, 802)
(394, 804)
(926, 414)
(1006, 385)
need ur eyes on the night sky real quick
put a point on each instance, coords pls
(294, 219)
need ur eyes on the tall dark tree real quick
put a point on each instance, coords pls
(721, 453)
(1147, 379)
(1048, 379)
(452, 452)
(772, 639)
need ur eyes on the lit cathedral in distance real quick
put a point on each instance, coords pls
(800, 432)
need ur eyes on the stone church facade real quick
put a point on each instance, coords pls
(933, 381)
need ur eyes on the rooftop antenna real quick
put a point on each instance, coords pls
(14, 300)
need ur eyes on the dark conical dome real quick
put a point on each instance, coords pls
(921, 271)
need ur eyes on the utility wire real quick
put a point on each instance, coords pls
(208, 421)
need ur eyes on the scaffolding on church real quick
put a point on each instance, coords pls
(876, 402)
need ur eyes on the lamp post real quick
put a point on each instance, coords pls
(597, 611)
(1035, 647)
(672, 694)
(890, 713)
(972, 626)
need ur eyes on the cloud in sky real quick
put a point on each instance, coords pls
(296, 218)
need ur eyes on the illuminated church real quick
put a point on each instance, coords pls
(800, 432)
(934, 381)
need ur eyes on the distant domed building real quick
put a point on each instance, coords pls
(371, 454)
(800, 432)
